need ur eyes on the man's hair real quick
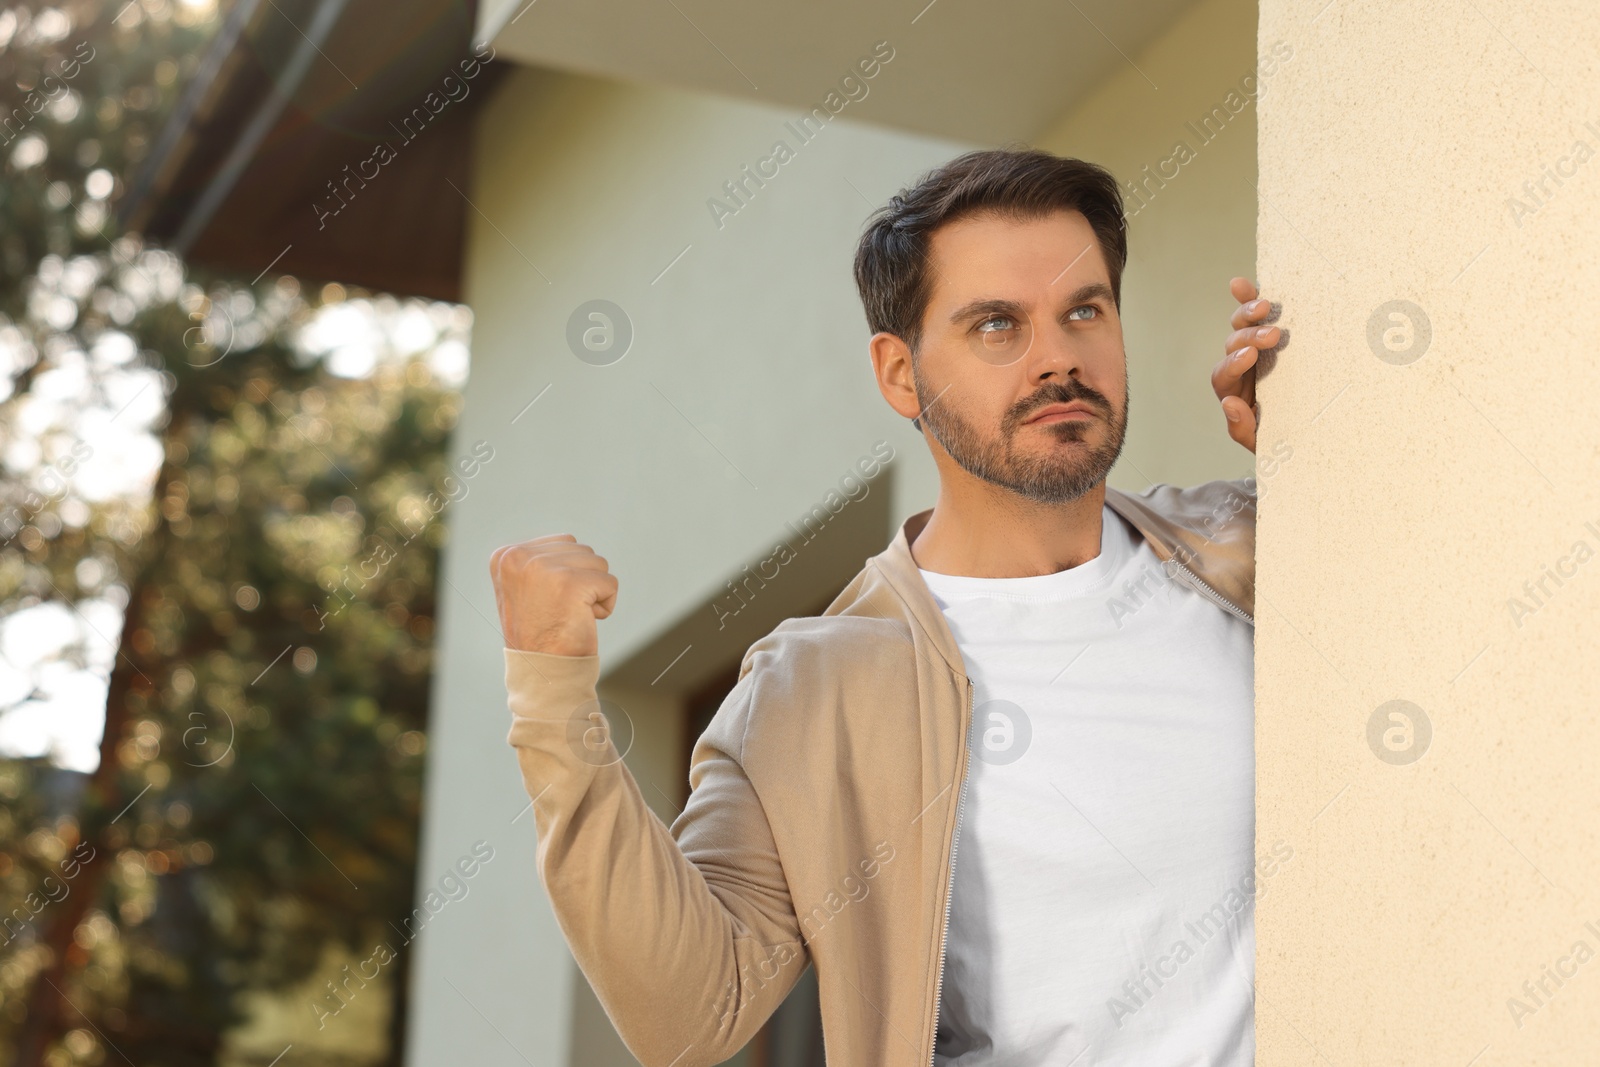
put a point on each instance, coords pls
(892, 267)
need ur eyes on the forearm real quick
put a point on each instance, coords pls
(671, 955)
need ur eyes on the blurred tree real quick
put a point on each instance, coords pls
(265, 534)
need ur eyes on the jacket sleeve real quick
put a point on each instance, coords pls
(687, 935)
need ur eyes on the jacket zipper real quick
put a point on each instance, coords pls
(950, 886)
(1206, 591)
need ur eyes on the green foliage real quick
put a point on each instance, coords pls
(260, 782)
(84, 87)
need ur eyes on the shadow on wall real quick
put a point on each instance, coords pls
(807, 561)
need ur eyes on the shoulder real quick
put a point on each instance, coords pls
(826, 650)
(1180, 502)
(796, 685)
(1207, 509)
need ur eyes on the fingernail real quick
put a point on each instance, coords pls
(1233, 416)
(1261, 334)
(1257, 305)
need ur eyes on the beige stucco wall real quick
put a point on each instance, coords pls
(1433, 539)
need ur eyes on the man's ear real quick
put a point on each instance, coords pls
(891, 365)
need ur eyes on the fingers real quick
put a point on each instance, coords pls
(549, 591)
(1235, 386)
(606, 604)
(556, 547)
(560, 552)
(1251, 313)
(1233, 378)
(1257, 336)
(497, 557)
(587, 565)
(1241, 347)
(561, 556)
(1230, 377)
(1241, 418)
(552, 538)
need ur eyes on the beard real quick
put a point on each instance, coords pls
(1054, 476)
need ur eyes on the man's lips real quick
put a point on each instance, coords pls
(1052, 413)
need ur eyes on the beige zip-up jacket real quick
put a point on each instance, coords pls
(824, 817)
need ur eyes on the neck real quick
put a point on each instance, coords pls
(984, 531)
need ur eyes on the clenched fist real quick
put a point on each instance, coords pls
(551, 591)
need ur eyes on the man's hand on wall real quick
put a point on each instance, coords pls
(1234, 379)
(550, 592)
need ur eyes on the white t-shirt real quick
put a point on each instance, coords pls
(1103, 905)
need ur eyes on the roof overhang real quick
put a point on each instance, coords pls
(986, 73)
(325, 138)
(331, 138)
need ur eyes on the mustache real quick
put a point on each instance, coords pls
(1063, 392)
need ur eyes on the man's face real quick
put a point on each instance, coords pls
(1021, 373)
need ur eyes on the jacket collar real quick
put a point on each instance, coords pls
(1210, 529)
(899, 569)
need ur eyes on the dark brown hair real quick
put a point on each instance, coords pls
(892, 259)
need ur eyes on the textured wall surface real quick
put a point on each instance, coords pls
(1429, 218)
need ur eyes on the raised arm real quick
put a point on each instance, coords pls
(687, 935)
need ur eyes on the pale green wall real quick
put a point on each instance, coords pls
(1190, 237)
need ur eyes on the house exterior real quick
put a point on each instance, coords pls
(651, 209)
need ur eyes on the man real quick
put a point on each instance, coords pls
(1048, 678)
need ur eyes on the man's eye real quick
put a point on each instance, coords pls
(996, 323)
(1087, 311)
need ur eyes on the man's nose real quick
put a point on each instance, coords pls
(1053, 355)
